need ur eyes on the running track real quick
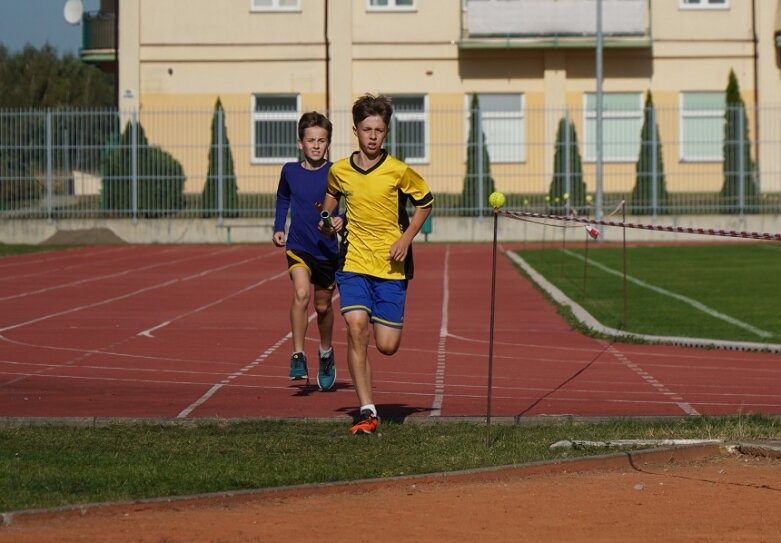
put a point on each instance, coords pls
(202, 331)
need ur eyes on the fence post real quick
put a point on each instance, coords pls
(134, 165)
(567, 176)
(741, 163)
(220, 177)
(480, 176)
(49, 173)
(654, 167)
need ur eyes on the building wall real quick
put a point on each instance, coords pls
(186, 53)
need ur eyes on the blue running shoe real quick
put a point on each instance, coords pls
(326, 374)
(298, 366)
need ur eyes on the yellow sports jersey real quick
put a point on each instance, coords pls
(375, 212)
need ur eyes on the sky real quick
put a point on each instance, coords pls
(39, 21)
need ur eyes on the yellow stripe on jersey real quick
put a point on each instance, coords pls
(375, 218)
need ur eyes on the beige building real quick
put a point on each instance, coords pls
(531, 62)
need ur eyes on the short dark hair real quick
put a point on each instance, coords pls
(313, 118)
(369, 105)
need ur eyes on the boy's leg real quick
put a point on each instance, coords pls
(325, 316)
(358, 354)
(390, 297)
(299, 320)
(326, 372)
(387, 339)
(299, 306)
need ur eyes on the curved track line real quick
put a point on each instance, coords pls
(680, 297)
(587, 319)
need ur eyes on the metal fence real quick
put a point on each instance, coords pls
(225, 163)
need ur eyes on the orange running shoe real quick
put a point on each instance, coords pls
(367, 423)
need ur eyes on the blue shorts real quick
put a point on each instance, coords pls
(382, 299)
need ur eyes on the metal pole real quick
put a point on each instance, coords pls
(480, 177)
(220, 176)
(654, 166)
(134, 166)
(491, 331)
(598, 202)
(49, 179)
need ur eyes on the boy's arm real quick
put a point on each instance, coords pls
(398, 251)
(281, 208)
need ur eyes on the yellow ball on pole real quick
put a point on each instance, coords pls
(497, 200)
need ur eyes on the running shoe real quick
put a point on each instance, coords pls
(367, 423)
(298, 366)
(326, 374)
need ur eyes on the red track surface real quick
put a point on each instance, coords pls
(202, 331)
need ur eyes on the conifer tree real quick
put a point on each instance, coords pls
(230, 191)
(649, 169)
(478, 166)
(567, 189)
(739, 192)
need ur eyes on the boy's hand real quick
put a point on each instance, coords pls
(278, 239)
(398, 251)
(337, 224)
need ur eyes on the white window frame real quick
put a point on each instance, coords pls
(392, 5)
(713, 114)
(516, 154)
(704, 4)
(590, 116)
(273, 5)
(260, 116)
(417, 116)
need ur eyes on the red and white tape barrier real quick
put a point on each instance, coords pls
(590, 222)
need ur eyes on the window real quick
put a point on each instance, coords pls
(622, 121)
(408, 134)
(704, 4)
(503, 123)
(274, 128)
(390, 5)
(702, 126)
(274, 5)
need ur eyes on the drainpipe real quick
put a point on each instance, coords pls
(327, 63)
(756, 81)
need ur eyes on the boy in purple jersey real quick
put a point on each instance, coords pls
(312, 255)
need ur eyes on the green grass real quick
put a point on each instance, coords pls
(737, 280)
(54, 465)
(11, 249)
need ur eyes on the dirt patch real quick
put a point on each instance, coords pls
(87, 236)
(706, 499)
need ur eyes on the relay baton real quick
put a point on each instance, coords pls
(326, 216)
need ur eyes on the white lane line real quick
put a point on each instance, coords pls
(685, 299)
(679, 401)
(148, 331)
(88, 306)
(217, 386)
(101, 277)
(243, 371)
(439, 384)
(55, 269)
(113, 299)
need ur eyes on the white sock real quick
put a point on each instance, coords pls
(325, 353)
(370, 407)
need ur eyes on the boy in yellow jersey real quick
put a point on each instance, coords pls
(376, 252)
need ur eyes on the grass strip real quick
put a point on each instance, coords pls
(57, 465)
